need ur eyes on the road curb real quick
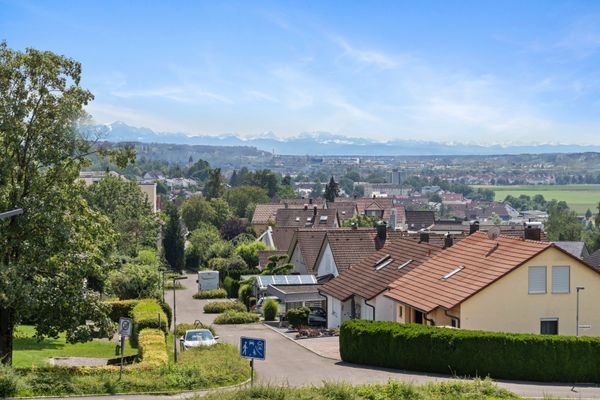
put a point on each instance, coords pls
(299, 343)
(130, 394)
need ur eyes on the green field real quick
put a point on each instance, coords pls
(578, 197)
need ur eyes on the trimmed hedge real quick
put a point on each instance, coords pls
(121, 308)
(152, 348)
(471, 353)
(146, 315)
(211, 294)
(218, 307)
(236, 317)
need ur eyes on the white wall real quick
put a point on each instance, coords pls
(385, 308)
(298, 261)
(334, 313)
(326, 264)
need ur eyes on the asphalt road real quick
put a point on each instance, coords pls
(290, 364)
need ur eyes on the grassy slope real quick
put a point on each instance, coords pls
(579, 197)
(29, 352)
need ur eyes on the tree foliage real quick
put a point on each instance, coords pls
(249, 252)
(243, 199)
(332, 190)
(126, 206)
(173, 241)
(47, 253)
(563, 224)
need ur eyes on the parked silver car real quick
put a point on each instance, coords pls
(198, 338)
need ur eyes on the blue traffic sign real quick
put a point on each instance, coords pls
(253, 348)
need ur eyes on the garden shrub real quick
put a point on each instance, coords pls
(181, 328)
(121, 308)
(218, 307)
(167, 309)
(134, 281)
(471, 353)
(244, 295)
(211, 294)
(152, 348)
(146, 314)
(270, 309)
(9, 381)
(298, 317)
(236, 317)
(232, 286)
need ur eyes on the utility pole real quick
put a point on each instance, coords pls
(579, 288)
(175, 279)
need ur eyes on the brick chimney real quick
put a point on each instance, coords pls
(424, 237)
(473, 227)
(381, 234)
(448, 240)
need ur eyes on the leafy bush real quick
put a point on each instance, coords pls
(270, 309)
(121, 308)
(249, 252)
(9, 381)
(152, 348)
(237, 273)
(221, 249)
(147, 314)
(471, 353)
(232, 286)
(218, 307)
(298, 316)
(133, 281)
(244, 295)
(211, 294)
(236, 317)
(181, 328)
(167, 309)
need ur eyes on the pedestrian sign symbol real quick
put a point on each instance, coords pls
(253, 348)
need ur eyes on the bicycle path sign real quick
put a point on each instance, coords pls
(253, 348)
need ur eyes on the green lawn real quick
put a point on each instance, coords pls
(578, 197)
(29, 352)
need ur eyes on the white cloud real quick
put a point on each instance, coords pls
(178, 94)
(366, 56)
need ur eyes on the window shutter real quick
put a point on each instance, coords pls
(537, 279)
(560, 279)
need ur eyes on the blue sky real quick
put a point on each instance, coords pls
(476, 72)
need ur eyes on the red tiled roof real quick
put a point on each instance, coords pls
(380, 203)
(309, 241)
(265, 213)
(282, 237)
(365, 280)
(301, 218)
(483, 261)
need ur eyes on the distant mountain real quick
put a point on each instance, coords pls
(322, 143)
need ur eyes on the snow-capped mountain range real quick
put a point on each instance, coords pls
(323, 143)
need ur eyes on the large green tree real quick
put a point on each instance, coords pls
(563, 224)
(214, 185)
(332, 190)
(48, 252)
(173, 241)
(126, 206)
(243, 199)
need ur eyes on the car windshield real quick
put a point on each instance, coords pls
(195, 336)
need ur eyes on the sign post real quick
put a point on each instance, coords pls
(125, 328)
(254, 349)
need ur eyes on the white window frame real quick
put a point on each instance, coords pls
(556, 268)
(537, 267)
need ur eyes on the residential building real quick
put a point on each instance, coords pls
(501, 284)
(358, 292)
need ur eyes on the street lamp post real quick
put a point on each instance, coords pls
(175, 279)
(579, 288)
(162, 271)
(11, 213)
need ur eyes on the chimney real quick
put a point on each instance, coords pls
(354, 226)
(474, 227)
(315, 211)
(448, 241)
(531, 233)
(310, 201)
(424, 237)
(285, 205)
(393, 219)
(381, 231)
(305, 207)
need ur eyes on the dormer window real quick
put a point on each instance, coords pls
(323, 219)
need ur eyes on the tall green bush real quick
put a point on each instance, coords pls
(8, 381)
(471, 353)
(134, 281)
(232, 286)
(147, 314)
(244, 295)
(270, 309)
(121, 308)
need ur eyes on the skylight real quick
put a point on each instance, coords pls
(297, 219)
(405, 264)
(453, 272)
(384, 261)
(323, 219)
